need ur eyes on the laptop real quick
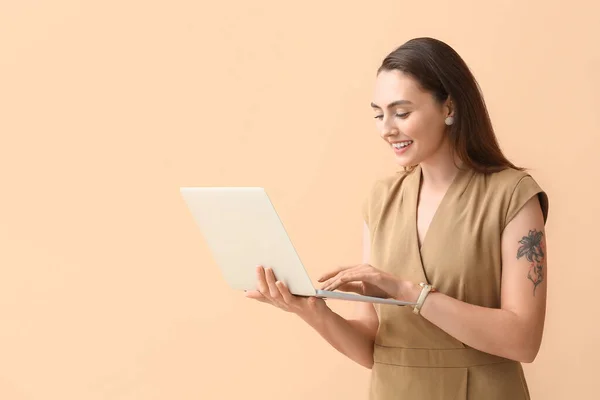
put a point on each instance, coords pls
(243, 230)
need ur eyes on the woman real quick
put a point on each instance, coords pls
(460, 232)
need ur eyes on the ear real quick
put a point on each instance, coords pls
(449, 107)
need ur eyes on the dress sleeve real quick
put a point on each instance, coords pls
(524, 190)
(371, 203)
(366, 204)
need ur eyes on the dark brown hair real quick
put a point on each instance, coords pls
(439, 69)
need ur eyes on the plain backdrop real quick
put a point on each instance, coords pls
(107, 289)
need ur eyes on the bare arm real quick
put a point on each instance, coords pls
(352, 337)
(349, 337)
(515, 330)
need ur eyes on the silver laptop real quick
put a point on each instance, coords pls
(242, 230)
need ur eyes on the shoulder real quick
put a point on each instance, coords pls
(390, 182)
(513, 188)
(382, 190)
(387, 187)
(507, 179)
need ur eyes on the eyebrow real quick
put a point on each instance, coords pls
(392, 104)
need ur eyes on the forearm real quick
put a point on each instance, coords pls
(344, 335)
(495, 331)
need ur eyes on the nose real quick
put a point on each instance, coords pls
(388, 129)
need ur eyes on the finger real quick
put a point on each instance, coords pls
(334, 272)
(256, 295)
(274, 292)
(330, 281)
(345, 278)
(333, 285)
(359, 275)
(355, 287)
(327, 283)
(270, 277)
(287, 296)
(263, 287)
(342, 271)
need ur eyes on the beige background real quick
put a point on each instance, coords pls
(107, 290)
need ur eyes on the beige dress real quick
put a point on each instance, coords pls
(461, 257)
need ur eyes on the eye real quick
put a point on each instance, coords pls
(401, 115)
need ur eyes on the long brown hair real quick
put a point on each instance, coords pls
(441, 71)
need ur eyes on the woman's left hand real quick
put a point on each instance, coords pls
(369, 281)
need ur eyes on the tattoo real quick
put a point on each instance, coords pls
(532, 248)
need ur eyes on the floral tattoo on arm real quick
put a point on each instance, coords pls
(532, 248)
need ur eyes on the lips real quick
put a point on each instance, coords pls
(404, 145)
(401, 144)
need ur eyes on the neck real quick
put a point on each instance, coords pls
(440, 169)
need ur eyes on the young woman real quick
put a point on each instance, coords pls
(460, 231)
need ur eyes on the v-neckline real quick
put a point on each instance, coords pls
(420, 245)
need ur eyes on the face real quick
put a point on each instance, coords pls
(410, 117)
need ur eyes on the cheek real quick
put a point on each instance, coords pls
(416, 126)
(423, 129)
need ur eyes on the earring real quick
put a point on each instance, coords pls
(449, 121)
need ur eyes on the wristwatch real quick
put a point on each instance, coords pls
(426, 289)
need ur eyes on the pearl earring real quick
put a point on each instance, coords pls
(449, 121)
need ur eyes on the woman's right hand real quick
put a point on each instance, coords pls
(277, 294)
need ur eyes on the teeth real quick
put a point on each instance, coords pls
(402, 144)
